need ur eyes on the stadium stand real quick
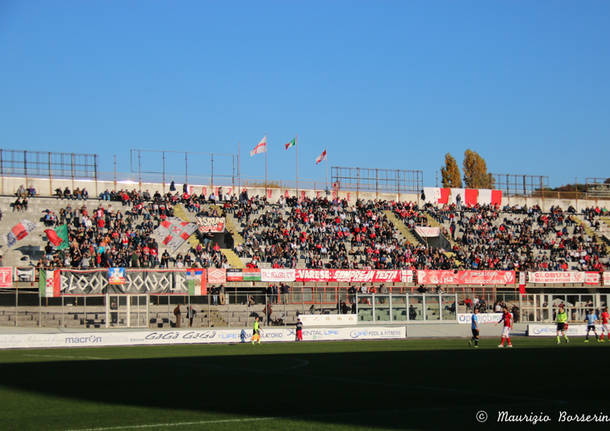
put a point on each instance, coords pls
(112, 231)
(116, 229)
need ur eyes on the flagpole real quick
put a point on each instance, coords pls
(296, 148)
(266, 149)
(238, 169)
(326, 160)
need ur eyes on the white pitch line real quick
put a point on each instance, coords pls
(32, 355)
(175, 424)
(301, 363)
(303, 417)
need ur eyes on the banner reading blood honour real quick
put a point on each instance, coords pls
(465, 277)
(354, 275)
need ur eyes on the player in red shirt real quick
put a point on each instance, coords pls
(604, 318)
(507, 318)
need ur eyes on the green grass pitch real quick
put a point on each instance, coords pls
(413, 384)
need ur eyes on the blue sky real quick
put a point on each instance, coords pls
(380, 84)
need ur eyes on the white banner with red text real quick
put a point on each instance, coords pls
(428, 232)
(277, 274)
(556, 277)
(606, 278)
(354, 275)
(465, 277)
(211, 224)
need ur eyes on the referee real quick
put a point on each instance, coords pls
(562, 319)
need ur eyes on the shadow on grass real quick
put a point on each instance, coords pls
(393, 390)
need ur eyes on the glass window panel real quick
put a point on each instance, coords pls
(416, 307)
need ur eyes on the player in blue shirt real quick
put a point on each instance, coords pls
(591, 319)
(474, 326)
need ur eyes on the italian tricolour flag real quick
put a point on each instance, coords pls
(196, 282)
(292, 143)
(49, 283)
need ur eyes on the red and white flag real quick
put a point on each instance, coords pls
(260, 148)
(19, 231)
(173, 232)
(522, 282)
(321, 157)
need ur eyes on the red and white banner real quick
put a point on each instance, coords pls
(261, 147)
(465, 277)
(211, 224)
(606, 278)
(593, 278)
(556, 277)
(217, 275)
(277, 274)
(428, 232)
(354, 275)
(6, 277)
(468, 197)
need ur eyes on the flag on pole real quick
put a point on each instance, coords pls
(59, 237)
(49, 283)
(260, 148)
(321, 157)
(19, 231)
(291, 143)
(522, 282)
(196, 282)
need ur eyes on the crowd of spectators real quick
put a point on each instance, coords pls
(25, 192)
(122, 236)
(322, 233)
(520, 238)
(76, 194)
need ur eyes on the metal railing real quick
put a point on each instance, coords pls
(234, 307)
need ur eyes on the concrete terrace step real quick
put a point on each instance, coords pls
(232, 258)
(402, 228)
(434, 223)
(231, 225)
(590, 232)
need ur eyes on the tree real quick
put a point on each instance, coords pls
(451, 173)
(475, 171)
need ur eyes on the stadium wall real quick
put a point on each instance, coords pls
(550, 330)
(195, 336)
(46, 187)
